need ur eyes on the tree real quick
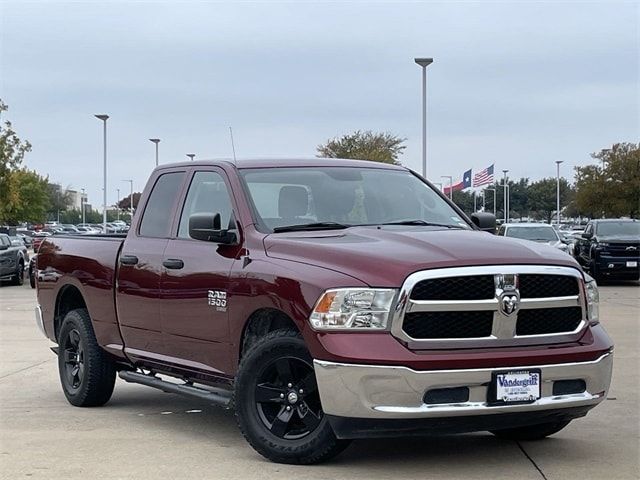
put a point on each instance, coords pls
(25, 199)
(378, 147)
(613, 189)
(12, 151)
(59, 200)
(542, 197)
(125, 203)
(464, 201)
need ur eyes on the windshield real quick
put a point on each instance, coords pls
(540, 234)
(631, 229)
(344, 196)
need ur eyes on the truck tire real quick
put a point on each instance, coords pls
(87, 374)
(531, 432)
(278, 405)
(18, 277)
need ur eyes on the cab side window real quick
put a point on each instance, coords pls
(156, 219)
(207, 194)
(502, 230)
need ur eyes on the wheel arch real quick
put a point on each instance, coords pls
(69, 298)
(261, 322)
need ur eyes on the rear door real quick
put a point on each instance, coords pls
(195, 280)
(140, 269)
(7, 265)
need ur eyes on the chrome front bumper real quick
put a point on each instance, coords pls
(388, 392)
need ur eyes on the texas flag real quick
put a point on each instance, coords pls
(465, 183)
(466, 180)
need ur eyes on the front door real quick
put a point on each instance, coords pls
(195, 281)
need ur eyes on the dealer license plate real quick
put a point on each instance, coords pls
(632, 264)
(517, 386)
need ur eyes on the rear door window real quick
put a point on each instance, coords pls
(156, 220)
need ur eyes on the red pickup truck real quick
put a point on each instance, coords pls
(325, 300)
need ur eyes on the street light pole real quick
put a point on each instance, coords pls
(506, 196)
(493, 190)
(130, 200)
(424, 63)
(104, 172)
(558, 162)
(156, 141)
(118, 204)
(82, 204)
(450, 185)
(191, 155)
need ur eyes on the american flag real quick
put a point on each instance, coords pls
(483, 177)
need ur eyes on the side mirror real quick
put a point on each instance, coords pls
(484, 221)
(587, 235)
(206, 227)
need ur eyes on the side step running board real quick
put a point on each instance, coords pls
(214, 395)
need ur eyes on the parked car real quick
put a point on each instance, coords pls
(535, 232)
(26, 237)
(610, 248)
(13, 259)
(33, 271)
(330, 299)
(38, 238)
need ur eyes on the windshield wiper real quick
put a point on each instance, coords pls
(423, 222)
(311, 226)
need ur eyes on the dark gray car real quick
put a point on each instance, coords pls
(12, 261)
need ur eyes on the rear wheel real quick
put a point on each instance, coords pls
(278, 405)
(87, 374)
(531, 432)
(18, 277)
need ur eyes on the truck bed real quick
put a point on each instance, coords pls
(88, 264)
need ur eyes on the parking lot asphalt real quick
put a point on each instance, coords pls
(146, 434)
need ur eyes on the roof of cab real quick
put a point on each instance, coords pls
(242, 163)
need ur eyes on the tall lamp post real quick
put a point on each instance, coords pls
(118, 204)
(558, 162)
(82, 204)
(156, 141)
(130, 199)
(450, 185)
(424, 63)
(191, 155)
(104, 118)
(494, 199)
(506, 196)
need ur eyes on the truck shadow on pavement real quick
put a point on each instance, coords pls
(217, 427)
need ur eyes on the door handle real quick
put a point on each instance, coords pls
(128, 260)
(173, 263)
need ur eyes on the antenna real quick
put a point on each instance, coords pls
(233, 147)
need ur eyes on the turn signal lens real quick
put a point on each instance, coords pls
(593, 299)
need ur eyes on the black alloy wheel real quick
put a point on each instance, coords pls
(73, 354)
(287, 398)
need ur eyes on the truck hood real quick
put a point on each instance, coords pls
(626, 239)
(385, 256)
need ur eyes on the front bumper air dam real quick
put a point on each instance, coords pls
(369, 400)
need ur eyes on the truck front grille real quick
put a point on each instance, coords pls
(448, 324)
(543, 321)
(490, 306)
(477, 287)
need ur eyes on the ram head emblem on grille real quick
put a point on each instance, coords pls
(507, 293)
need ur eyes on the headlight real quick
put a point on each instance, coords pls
(593, 300)
(353, 309)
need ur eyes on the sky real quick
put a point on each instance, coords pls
(518, 84)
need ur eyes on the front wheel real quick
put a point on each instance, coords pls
(278, 405)
(531, 432)
(87, 374)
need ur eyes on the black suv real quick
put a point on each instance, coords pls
(610, 248)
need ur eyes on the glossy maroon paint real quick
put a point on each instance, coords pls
(158, 317)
